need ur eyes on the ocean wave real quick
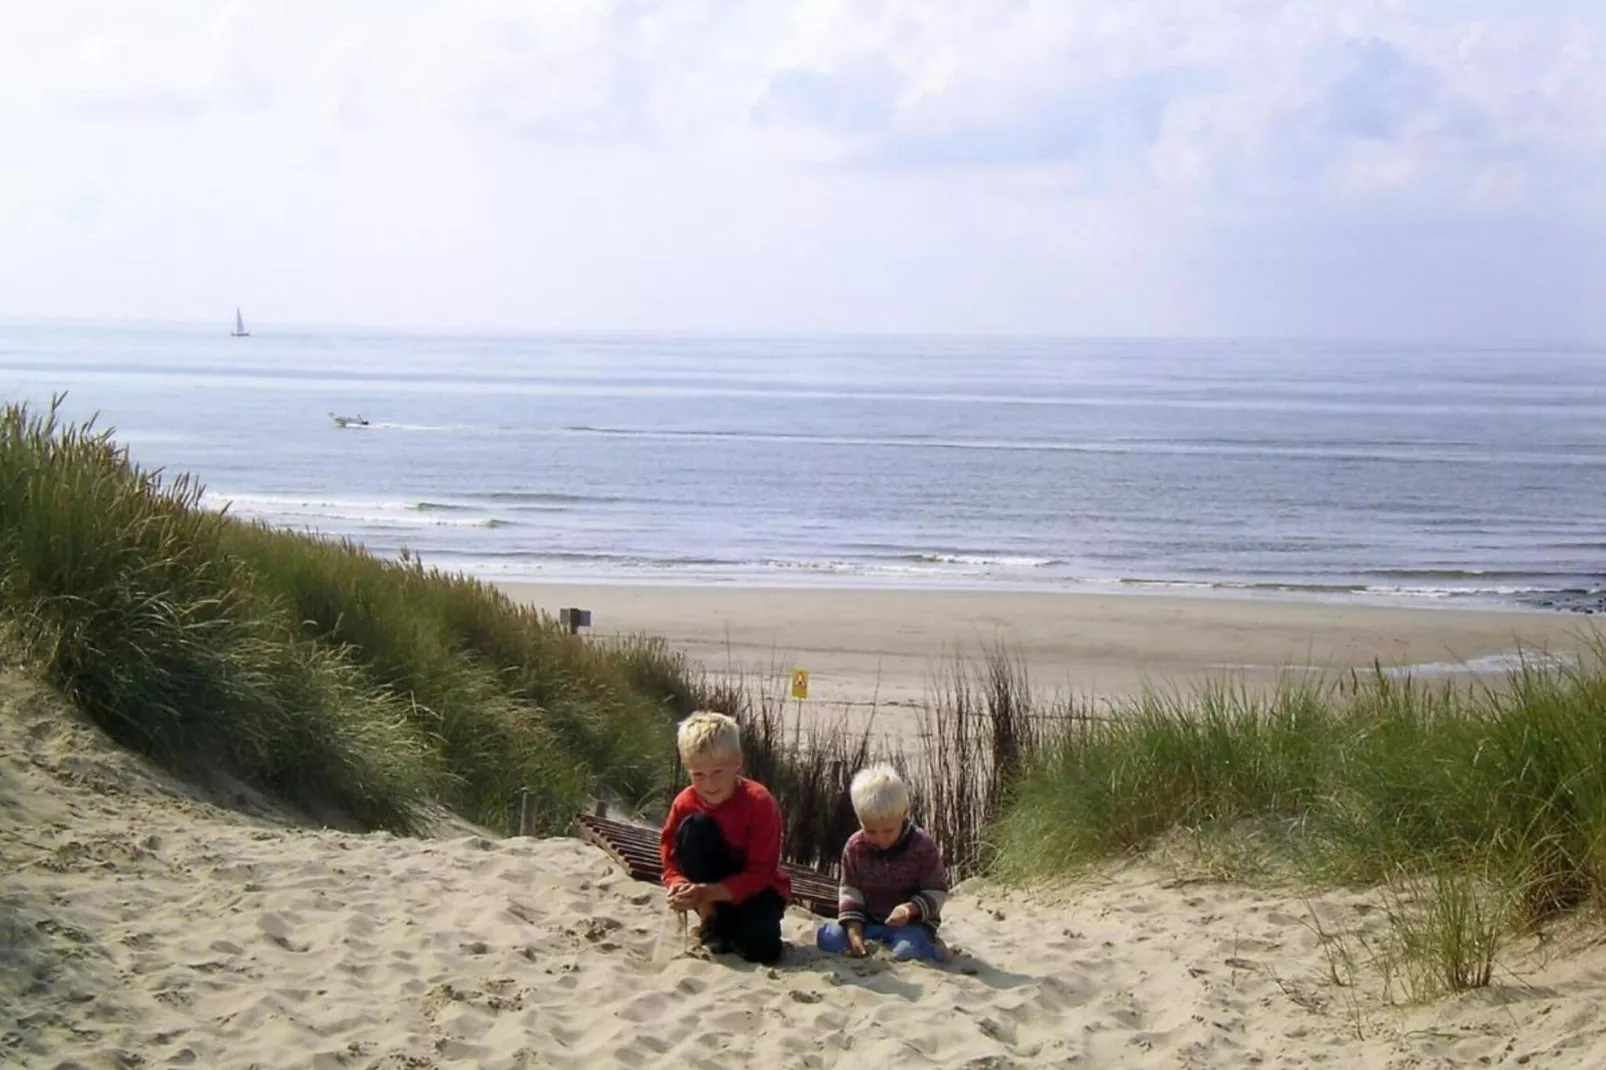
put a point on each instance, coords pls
(915, 572)
(1427, 452)
(386, 524)
(1481, 575)
(296, 511)
(1428, 591)
(1512, 661)
(544, 499)
(1326, 588)
(986, 560)
(985, 568)
(588, 557)
(1291, 586)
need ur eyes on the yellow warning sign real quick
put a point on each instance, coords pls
(800, 683)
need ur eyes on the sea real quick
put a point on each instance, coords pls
(1447, 474)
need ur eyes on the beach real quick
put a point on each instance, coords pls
(886, 648)
(144, 924)
(1118, 488)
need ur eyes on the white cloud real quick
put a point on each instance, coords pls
(1293, 99)
(910, 164)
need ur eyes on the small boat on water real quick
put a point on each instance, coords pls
(349, 421)
(239, 326)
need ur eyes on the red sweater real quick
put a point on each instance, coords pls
(751, 824)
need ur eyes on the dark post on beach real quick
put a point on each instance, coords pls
(575, 619)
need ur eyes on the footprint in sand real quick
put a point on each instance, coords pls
(278, 932)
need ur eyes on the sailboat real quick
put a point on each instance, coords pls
(239, 327)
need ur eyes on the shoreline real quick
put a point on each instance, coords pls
(1566, 601)
(881, 648)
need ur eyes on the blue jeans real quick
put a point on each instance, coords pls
(912, 941)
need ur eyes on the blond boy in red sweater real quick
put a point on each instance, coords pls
(720, 846)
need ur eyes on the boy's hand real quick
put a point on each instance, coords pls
(856, 946)
(902, 914)
(685, 897)
(697, 896)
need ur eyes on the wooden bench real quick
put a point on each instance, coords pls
(635, 847)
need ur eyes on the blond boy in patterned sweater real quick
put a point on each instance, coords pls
(893, 883)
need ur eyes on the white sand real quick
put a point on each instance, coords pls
(141, 926)
(886, 646)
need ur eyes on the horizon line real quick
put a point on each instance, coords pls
(292, 328)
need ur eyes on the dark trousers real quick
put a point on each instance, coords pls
(751, 928)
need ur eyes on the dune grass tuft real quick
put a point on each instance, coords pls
(1476, 810)
(306, 667)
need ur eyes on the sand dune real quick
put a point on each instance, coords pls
(141, 925)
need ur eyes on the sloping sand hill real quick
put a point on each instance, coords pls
(142, 925)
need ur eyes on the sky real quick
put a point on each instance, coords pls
(1367, 168)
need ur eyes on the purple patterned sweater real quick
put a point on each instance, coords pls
(874, 882)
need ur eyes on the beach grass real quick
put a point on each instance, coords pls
(1477, 811)
(1364, 775)
(338, 682)
(361, 689)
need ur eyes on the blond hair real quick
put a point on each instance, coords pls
(878, 793)
(708, 733)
